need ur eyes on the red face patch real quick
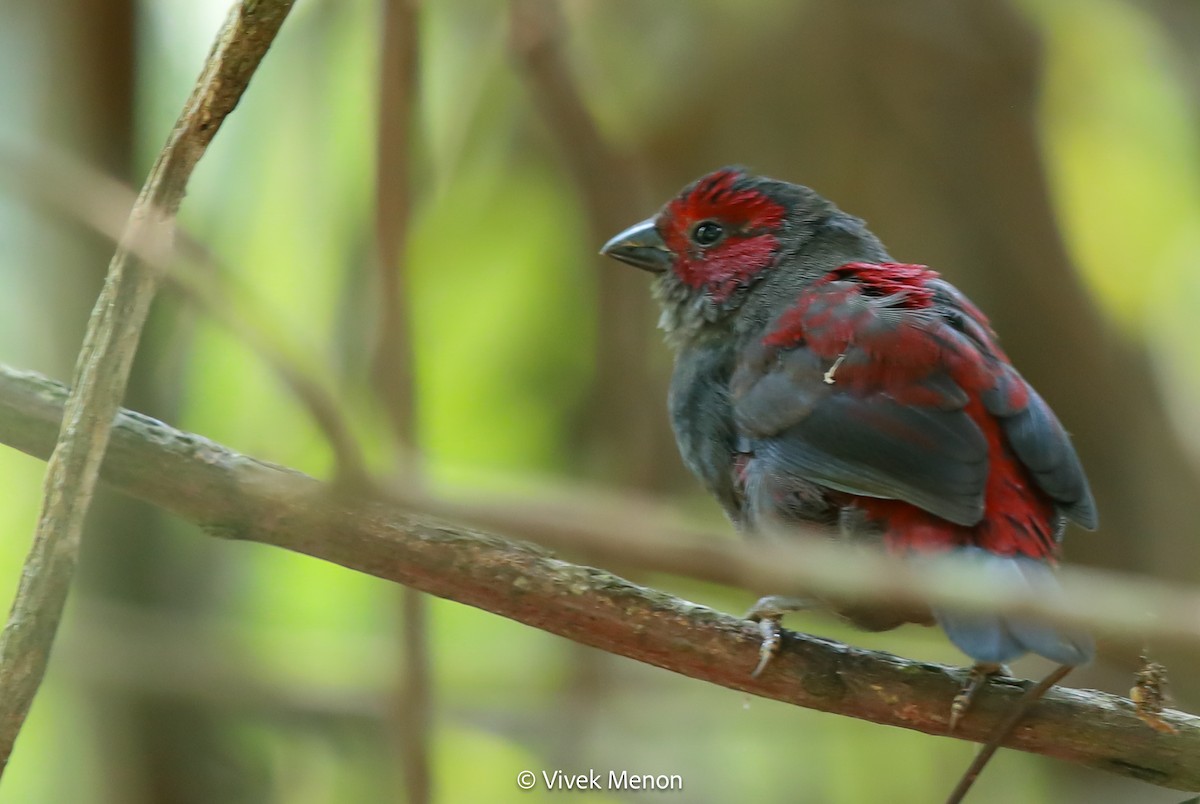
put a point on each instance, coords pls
(747, 220)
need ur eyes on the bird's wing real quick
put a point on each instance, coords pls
(1041, 444)
(882, 385)
(856, 392)
(1031, 430)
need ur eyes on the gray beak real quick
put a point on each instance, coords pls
(641, 246)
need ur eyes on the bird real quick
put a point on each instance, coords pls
(820, 383)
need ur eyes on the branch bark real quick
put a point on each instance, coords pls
(106, 357)
(234, 496)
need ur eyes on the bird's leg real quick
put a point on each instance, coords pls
(767, 612)
(978, 676)
(1031, 696)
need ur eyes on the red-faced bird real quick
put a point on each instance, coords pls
(819, 381)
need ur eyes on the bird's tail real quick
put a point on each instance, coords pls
(998, 639)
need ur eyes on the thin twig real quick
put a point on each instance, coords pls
(392, 363)
(116, 648)
(1019, 710)
(415, 705)
(231, 303)
(619, 423)
(233, 496)
(95, 200)
(104, 361)
(624, 531)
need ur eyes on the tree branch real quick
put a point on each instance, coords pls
(234, 496)
(392, 360)
(104, 362)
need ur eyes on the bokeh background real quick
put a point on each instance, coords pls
(1043, 154)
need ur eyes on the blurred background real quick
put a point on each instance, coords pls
(1043, 154)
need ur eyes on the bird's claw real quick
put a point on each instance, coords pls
(978, 676)
(767, 614)
(772, 638)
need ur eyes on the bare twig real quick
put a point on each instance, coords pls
(96, 200)
(626, 532)
(391, 367)
(218, 294)
(620, 424)
(607, 182)
(415, 705)
(392, 363)
(166, 656)
(234, 496)
(1019, 710)
(105, 359)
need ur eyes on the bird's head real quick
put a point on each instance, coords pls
(719, 238)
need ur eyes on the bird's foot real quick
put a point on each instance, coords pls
(978, 676)
(767, 613)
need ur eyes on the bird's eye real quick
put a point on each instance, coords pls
(705, 233)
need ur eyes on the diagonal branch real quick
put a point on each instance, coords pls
(234, 496)
(618, 424)
(104, 362)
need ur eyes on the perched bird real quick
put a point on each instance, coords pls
(819, 381)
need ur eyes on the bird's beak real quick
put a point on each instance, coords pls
(641, 246)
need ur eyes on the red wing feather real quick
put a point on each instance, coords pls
(883, 383)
